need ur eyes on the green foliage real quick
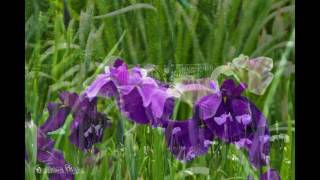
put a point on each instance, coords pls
(61, 56)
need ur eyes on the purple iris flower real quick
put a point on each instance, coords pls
(191, 138)
(223, 114)
(139, 97)
(232, 115)
(88, 124)
(45, 146)
(53, 158)
(186, 140)
(57, 116)
(234, 119)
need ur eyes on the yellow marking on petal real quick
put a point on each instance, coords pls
(224, 99)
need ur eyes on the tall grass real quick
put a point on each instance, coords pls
(65, 53)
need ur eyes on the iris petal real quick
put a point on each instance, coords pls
(57, 116)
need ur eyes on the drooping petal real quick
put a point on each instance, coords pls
(95, 87)
(132, 106)
(53, 158)
(108, 90)
(241, 110)
(259, 150)
(146, 91)
(57, 116)
(185, 140)
(208, 105)
(224, 126)
(157, 102)
(87, 132)
(43, 142)
(229, 88)
(167, 112)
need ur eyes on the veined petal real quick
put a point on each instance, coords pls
(185, 140)
(208, 105)
(93, 90)
(57, 116)
(132, 106)
(157, 102)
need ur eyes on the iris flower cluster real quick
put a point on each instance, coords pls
(222, 113)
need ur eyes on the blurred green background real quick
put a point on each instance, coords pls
(68, 42)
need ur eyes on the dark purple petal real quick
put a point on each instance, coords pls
(43, 142)
(132, 105)
(259, 150)
(118, 62)
(57, 116)
(229, 88)
(146, 91)
(208, 105)
(224, 126)
(271, 174)
(52, 158)
(86, 130)
(55, 160)
(185, 140)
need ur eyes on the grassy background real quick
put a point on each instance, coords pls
(68, 42)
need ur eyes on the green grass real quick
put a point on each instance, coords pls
(162, 32)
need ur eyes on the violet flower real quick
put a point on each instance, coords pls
(139, 97)
(232, 115)
(53, 158)
(88, 124)
(186, 140)
(191, 138)
(57, 116)
(45, 146)
(223, 114)
(238, 121)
